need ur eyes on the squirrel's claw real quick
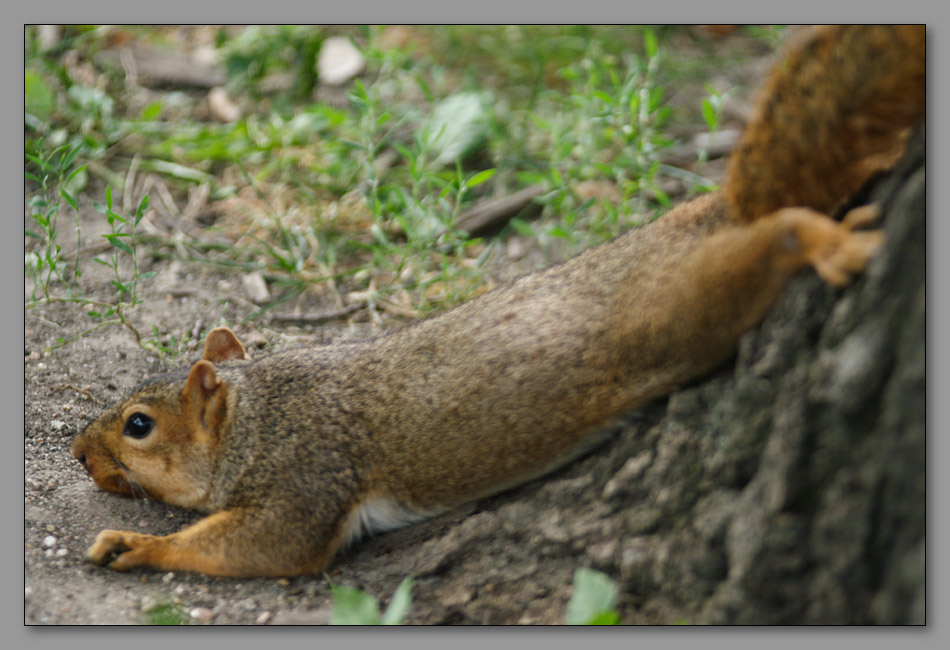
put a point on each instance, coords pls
(117, 549)
(837, 266)
(860, 217)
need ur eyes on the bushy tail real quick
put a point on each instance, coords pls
(835, 111)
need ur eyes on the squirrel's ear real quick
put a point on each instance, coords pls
(223, 345)
(202, 380)
(207, 395)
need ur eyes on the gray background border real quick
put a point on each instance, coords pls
(492, 11)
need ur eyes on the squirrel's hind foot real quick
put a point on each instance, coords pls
(837, 250)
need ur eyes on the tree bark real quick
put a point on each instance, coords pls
(800, 478)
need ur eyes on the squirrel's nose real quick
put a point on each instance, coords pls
(79, 453)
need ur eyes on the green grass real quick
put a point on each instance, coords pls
(166, 614)
(360, 198)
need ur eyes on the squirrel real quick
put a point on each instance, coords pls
(294, 454)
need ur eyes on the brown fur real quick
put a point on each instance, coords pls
(294, 452)
(834, 112)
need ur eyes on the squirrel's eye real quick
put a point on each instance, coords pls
(138, 425)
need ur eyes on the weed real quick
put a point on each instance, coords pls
(593, 600)
(592, 603)
(55, 172)
(359, 199)
(354, 607)
(166, 614)
(172, 347)
(123, 240)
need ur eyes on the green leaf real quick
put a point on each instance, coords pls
(400, 604)
(479, 178)
(378, 234)
(140, 211)
(656, 98)
(76, 172)
(69, 199)
(649, 43)
(458, 125)
(605, 618)
(118, 243)
(151, 111)
(109, 197)
(39, 162)
(68, 157)
(709, 113)
(353, 607)
(38, 97)
(593, 598)
(30, 233)
(522, 227)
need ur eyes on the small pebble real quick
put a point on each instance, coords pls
(35, 356)
(339, 61)
(201, 614)
(263, 618)
(60, 552)
(49, 541)
(222, 107)
(168, 577)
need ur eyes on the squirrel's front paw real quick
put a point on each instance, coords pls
(121, 550)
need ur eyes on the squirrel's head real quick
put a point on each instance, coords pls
(161, 440)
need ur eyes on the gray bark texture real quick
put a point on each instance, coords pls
(792, 490)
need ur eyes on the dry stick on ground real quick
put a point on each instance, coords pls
(150, 66)
(318, 318)
(81, 391)
(494, 212)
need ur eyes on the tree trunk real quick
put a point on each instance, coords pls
(799, 479)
